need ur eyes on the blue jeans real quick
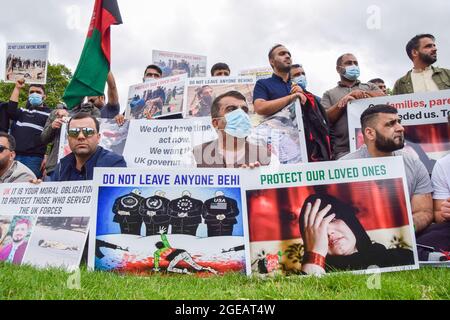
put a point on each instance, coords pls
(33, 163)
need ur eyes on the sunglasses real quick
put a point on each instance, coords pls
(3, 148)
(75, 132)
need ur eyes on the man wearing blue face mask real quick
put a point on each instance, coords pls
(335, 101)
(229, 113)
(28, 125)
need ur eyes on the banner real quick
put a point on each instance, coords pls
(174, 63)
(27, 60)
(372, 230)
(156, 98)
(201, 92)
(259, 73)
(424, 117)
(44, 225)
(167, 221)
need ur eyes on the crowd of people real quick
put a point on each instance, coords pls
(30, 138)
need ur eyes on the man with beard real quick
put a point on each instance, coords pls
(384, 137)
(10, 169)
(205, 97)
(335, 101)
(14, 251)
(423, 77)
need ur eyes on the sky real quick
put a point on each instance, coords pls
(238, 32)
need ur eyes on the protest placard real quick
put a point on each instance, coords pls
(44, 225)
(156, 98)
(372, 230)
(171, 221)
(259, 73)
(175, 63)
(424, 117)
(28, 61)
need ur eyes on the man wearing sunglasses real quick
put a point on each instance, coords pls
(28, 125)
(84, 137)
(10, 169)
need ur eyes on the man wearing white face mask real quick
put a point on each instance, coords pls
(229, 113)
(335, 101)
(28, 125)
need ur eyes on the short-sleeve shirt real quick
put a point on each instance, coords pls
(271, 88)
(109, 111)
(417, 177)
(339, 130)
(440, 178)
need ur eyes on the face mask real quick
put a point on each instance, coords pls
(351, 72)
(35, 99)
(301, 81)
(238, 124)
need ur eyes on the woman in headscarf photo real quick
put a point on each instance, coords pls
(334, 239)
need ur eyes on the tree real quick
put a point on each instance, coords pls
(58, 77)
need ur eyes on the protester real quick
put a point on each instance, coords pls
(28, 125)
(229, 116)
(422, 51)
(380, 84)
(10, 169)
(384, 137)
(152, 72)
(335, 101)
(220, 69)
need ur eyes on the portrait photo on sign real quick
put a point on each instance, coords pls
(148, 230)
(365, 225)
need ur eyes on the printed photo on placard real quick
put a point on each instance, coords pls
(27, 61)
(19, 232)
(424, 117)
(171, 223)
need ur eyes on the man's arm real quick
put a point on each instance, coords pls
(267, 108)
(113, 95)
(13, 105)
(422, 211)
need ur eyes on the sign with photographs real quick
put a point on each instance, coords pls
(28, 61)
(175, 63)
(156, 98)
(424, 117)
(45, 225)
(355, 214)
(167, 222)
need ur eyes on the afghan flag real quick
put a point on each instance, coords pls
(92, 70)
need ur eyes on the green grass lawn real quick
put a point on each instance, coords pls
(29, 283)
